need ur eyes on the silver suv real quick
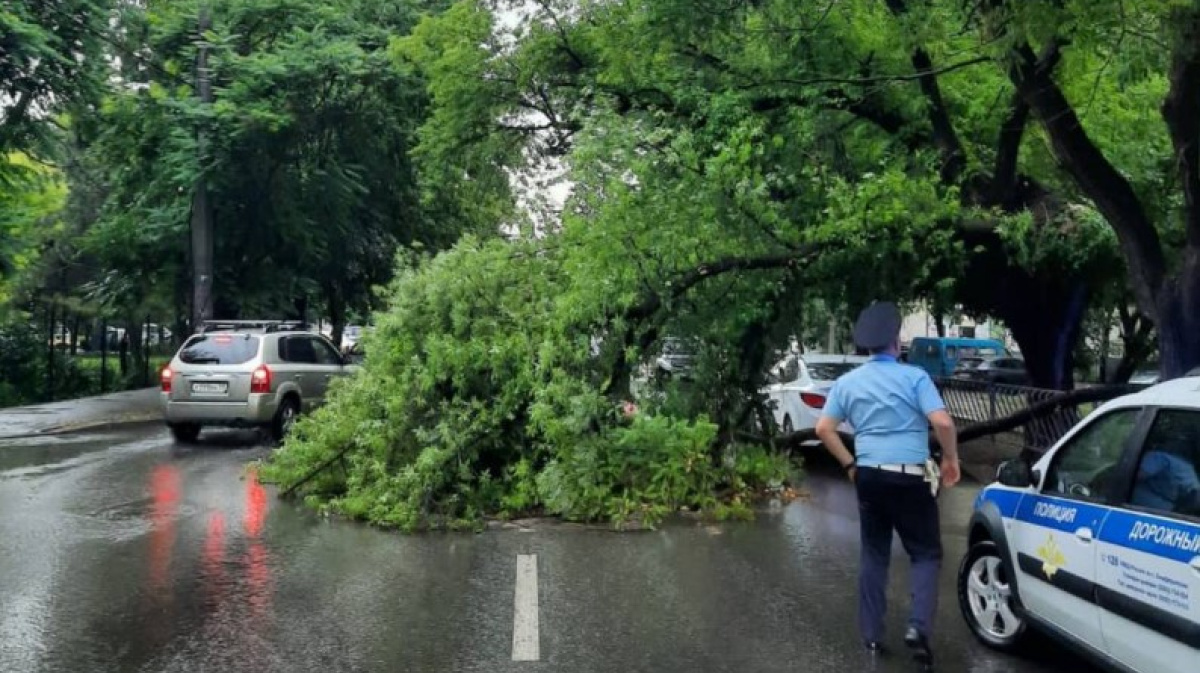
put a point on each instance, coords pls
(248, 374)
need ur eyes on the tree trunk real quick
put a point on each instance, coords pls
(1179, 320)
(103, 356)
(144, 330)
(1043, 311)
(182, 324)
(75, 324)
(123, 352)
(938, 309)
(1105, 328)
(336, 306)
(300, 309)
(134, 332)
(50, 373)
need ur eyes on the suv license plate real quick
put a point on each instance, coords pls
(210, 388)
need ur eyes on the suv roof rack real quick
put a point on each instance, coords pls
(265, 325)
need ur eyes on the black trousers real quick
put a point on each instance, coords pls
(887, 502)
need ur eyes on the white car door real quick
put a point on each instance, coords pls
(1055, 529)
(784, 380)
(1148, 583)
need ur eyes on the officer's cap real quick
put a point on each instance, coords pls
(877, 326)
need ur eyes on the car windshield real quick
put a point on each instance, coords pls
(829, 371)
(219, 349)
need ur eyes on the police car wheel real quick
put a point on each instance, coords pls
(986, 598)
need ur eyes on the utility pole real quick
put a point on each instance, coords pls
(202, 221)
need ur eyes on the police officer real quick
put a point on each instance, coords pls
(891, 407)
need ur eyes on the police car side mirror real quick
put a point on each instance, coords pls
(1016, 473)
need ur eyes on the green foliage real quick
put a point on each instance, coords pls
(51, 60)
(472, 403)
(30, 373)
(740, 174)
(305, 149)
(31, 203)
(22, 359)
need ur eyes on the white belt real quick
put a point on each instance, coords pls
(902, 468)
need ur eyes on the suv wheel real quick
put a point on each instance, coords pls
(285, 418)
(985, 595)
(185, 433)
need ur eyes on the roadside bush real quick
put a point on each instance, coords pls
(480, 396)
(22, 378)
(24, 374)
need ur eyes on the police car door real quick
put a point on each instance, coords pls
(1149, 573)
(1055, 528)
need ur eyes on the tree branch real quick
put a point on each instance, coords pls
(1071, 398)
(924, 72)
(1008, 150)
(954, 158)
(562, 34)
(1091, 170)
(653, 302)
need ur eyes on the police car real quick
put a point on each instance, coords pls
(1098, 543)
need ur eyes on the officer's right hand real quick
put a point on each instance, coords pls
(950, 472)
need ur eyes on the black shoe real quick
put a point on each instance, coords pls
(873, 646)
(919, 646)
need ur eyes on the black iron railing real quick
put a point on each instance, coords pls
(976, 403)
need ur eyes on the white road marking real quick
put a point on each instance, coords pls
(525, 610)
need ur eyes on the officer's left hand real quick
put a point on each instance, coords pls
(950, 473)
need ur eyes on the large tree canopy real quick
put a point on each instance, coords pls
(736, 173)
(729, 165)
(305, 151)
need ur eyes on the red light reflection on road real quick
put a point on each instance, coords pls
(258, 562)
(164, 491)
(256, 505)
(213, 561)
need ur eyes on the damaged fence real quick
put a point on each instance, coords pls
(1030, 418)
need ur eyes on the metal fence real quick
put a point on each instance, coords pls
(977, 402)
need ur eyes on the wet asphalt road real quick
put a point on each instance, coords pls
(120, 552)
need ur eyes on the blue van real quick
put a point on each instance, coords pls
(939, 355)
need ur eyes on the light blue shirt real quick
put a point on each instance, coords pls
(887, 404)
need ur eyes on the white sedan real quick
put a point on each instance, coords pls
(799, 385)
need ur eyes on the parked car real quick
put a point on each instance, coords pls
(940, 355)
(798, 387)
(350, 337)
(253, 374)
(1146, 377)
(1097, 544)
(993, 370)
(675, 360)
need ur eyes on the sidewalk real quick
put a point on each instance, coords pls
(138, 406)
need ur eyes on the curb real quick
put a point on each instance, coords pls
(86, 426)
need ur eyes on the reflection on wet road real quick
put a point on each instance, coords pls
(120, 552)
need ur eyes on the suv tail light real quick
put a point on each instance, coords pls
(260, 380)
(166, 375)
(813, 400)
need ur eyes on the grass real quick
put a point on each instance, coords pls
(91, 367)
